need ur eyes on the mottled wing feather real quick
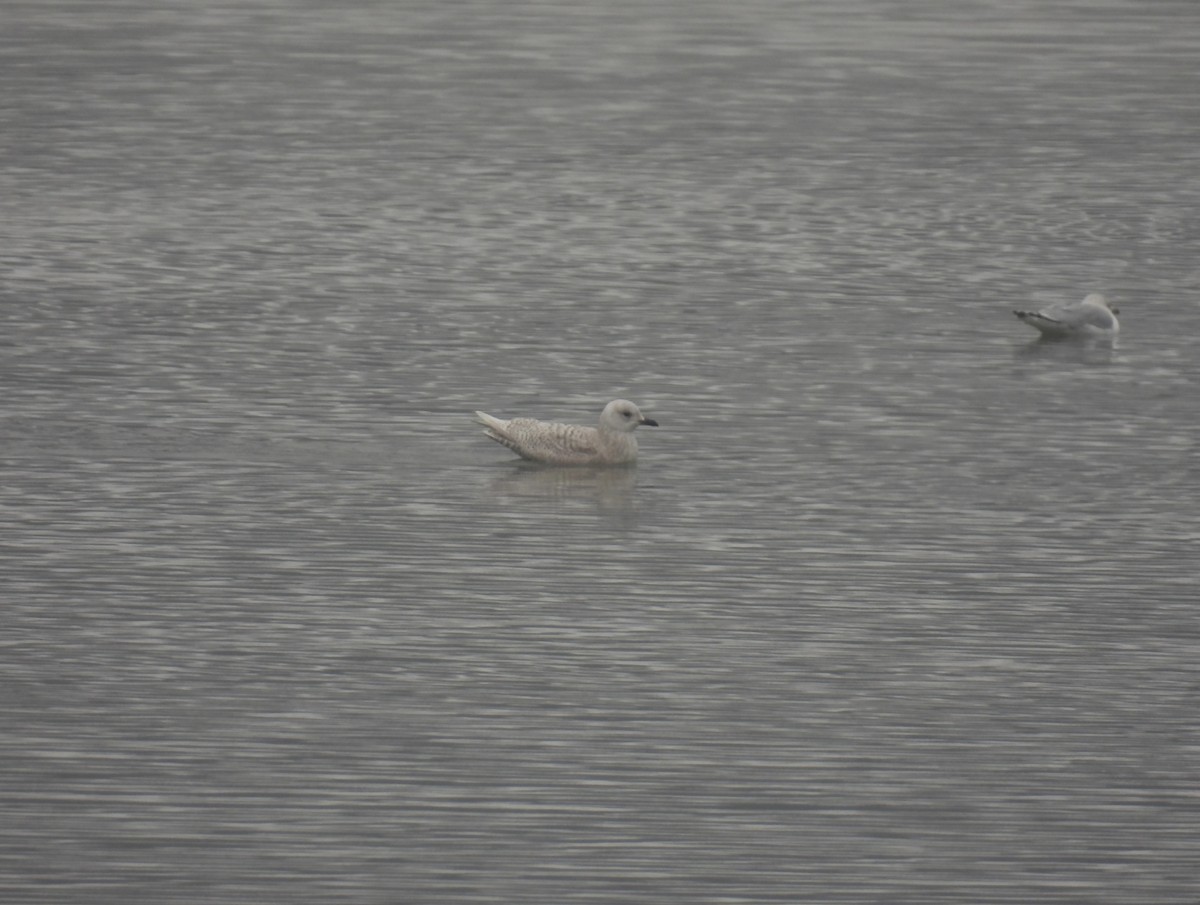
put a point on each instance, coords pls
(499, 437)
(547, 441)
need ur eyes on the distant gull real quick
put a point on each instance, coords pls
(1093, 318)
(611, 442)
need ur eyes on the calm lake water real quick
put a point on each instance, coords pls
(899, 606)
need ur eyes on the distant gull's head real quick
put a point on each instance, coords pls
(1098, 299)
(622, 415)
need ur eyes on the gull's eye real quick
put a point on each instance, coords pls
(627, 414)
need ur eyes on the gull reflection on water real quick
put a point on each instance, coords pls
(610, 489)
(1077, 351)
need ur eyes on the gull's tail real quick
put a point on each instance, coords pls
(488, 421)
(495, 429)
(1040, 322)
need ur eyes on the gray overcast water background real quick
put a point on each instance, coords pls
(899, 606)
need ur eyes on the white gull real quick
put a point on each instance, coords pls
(611, 442)
(1093, 318)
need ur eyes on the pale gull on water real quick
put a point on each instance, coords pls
(611, 442)
(1093, 318)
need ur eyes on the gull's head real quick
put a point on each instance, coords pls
(623, 415)
(1097, 299)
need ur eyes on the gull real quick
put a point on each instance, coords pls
(611, 442)
(1093, 318)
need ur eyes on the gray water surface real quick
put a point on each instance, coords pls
(899, 606)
